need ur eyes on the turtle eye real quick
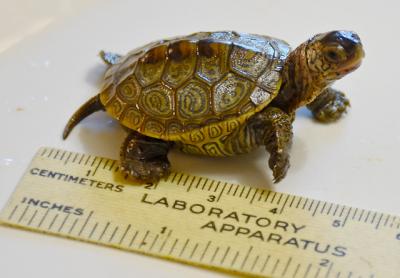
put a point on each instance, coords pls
(335, 54)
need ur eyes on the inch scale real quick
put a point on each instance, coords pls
(203, 222)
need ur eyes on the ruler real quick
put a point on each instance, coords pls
(203, 222)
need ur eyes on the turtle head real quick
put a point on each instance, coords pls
(334, 54)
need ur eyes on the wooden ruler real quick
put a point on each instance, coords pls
(203, 222)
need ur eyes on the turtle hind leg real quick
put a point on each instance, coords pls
(109, 58)
(145, 158)
(89, 107)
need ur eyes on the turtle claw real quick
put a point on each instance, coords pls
(279, 163)
(146, 171)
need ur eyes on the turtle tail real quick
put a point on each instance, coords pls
(92, 105)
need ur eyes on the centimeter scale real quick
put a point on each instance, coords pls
(204, 222)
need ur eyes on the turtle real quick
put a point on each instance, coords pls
(220, 94)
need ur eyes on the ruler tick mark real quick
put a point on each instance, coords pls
(234, 259)
(183, 248)
(204, 184)
(190, 185)
(113, 234)
(94, 229)
(234, 192)
(86, 221)
(317, 273)
(33, 217)
(373, 218)
(230, 188)
(165, 241)
(246, 257)
(173, 178)
(366, 218)
(323, 208)
(133, 238)
(273, 197)
(63, 223)
(298, 203)
(94, 160)
(286, 267)
(216, 188)
(75, 157)
(12, 212)
(67, 160)
(104, 231)
(185, 181)
(173, 247)
(275, 266)
(354, 214)
(347, 216)
(329, 270)
(248, 192)
(193, 251)
(284, 203)
(316, 208)
(112, 165)
(341, 212)
(205, 251)
(124, 235)
(198, 182)
(265, 264)
(222, 191)
(97, 167)
(386, 220)
(254, 195)
(55, 156)
(214, 255)
(296, 271)
(336, 209)
(312, 203)
(291, 202)
(225, 255)
(43, 152)
(241, 192)
(379, 221)
(261, 195)
(179, 180)
(280, 198)
(154, 242)
(254, 263)
(329, 209)
(53, 221)
(307, 271)
(143, 242)
(73, 226)
(23, 213)
(62, 156)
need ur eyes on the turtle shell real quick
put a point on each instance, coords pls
(174, 88)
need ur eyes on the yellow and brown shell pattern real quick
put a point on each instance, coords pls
(196, 89)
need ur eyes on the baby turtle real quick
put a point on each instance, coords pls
(220, 94)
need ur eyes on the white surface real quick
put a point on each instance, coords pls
(49, 66)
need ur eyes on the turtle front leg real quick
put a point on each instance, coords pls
(273, 129)
(329, 105)
(145, 158)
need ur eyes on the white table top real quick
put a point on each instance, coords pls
(49, 66)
